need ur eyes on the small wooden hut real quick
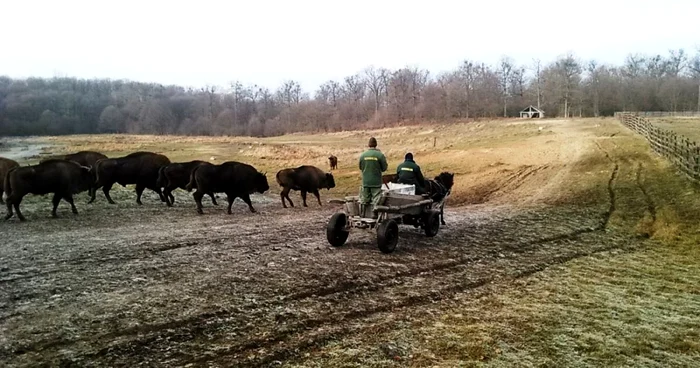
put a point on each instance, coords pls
(532, 112)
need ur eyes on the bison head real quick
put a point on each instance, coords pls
(260, 181)
(330, 181)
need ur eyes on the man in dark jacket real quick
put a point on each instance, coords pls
(372, 164)
(408, 172)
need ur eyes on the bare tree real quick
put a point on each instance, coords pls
(376, 80)
(694, 66)
(569, 72)
(593, 70)
(468, 73)
(505, 71)
(537, 67)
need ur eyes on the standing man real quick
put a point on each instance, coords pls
(372, 164)
(408, 172)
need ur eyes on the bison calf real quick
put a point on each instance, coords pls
(236, 179)
(307, 179)
(177, 175)
(333, 161)
(5, 166)
(61, 177)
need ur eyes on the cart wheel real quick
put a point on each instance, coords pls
(335, 230)
(387, 236)
(432, 224)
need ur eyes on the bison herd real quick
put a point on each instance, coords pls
(65, 176)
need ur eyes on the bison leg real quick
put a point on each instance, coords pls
(303, 197)
(246, 199)
(139, 191)
(93, 193)
(9, 208)
(163, 198)
(285, 194)
(1, 201)
(442, 215)
(69, 199)
(318, 197)
(213, 198)
(169, 199)
(198, 199)
(230, 198)
(105, 190)
(19, 213)
(56, 200)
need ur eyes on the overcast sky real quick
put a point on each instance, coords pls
(193, 43)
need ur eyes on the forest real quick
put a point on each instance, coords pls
(373, 97)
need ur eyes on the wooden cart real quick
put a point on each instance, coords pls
(391, 210)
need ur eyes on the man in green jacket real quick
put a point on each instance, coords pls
(408, 172)
(372, 164)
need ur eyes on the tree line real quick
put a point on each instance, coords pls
(374, 97)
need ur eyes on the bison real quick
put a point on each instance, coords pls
(307, 179)
(333, 161)
(83, 158)
(236, 179)
(61, 177)
(5, 166)
(177, 175)
(140, 168)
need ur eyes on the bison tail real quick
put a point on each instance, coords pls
(193, 180)
(278, 179)
(161, 181)
(6, 185)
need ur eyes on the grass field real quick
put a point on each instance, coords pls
(568, 243)
(687, 126)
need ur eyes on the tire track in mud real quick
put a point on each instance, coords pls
(311, 340)
(346, 287)
(299, 331)
(138, 251)
(511, 182)
(147, 339)
(651, 207)
(611, 185)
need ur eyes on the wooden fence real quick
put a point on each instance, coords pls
(660, 114)
(681, 151)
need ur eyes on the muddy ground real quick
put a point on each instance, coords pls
(129, 285)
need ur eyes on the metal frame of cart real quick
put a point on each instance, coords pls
(391, 210)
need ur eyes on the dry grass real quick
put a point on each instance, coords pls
(612, 309)
(467, 149)
(687, 126)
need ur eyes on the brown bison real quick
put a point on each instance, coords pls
(177, 175)
(307, 179)
(83, 158)
(5, 166)
(236, 179)
(334, 162)
(140, 168)
(61, 177)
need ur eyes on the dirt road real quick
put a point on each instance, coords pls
(128, 286)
